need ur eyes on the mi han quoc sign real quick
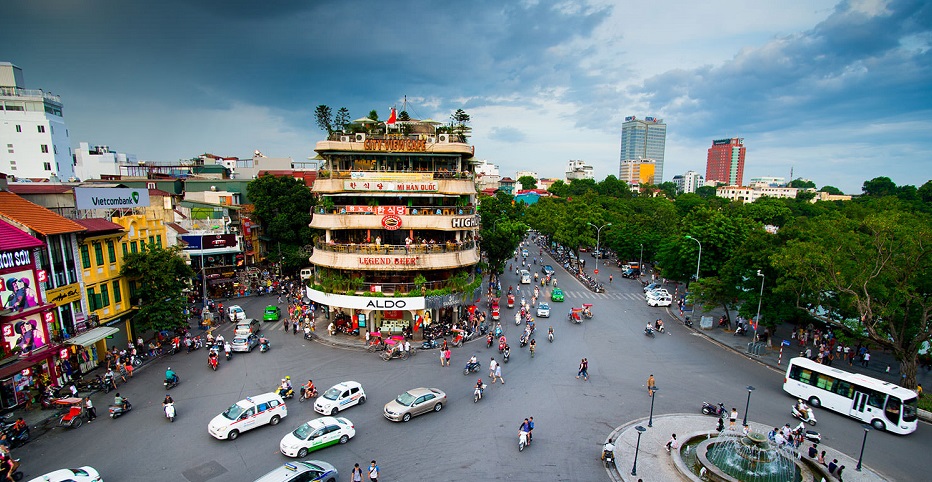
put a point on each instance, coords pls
(390, 186)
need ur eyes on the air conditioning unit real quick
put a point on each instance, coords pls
(431, 139)
(234, 229)
(444, 138)
(344, 138)
(360, 137)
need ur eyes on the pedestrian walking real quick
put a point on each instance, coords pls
(498, 374)
(865, 359)
(91, 411)
(650, 385)
(492, 365)
(373, 472)
(443, 354)
(583, 369)
(446, 355)
(732, 418)
(129, 369)
(611, 278)
(356, 474)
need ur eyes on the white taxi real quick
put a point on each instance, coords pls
(247, 414)
(317, 434)
(340, 397)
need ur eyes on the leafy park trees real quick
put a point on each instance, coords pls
(283, 206)
(160, 276)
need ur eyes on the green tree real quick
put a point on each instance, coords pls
(879, 186)
(613, 187)
(527, 182)
(668, 188)
(342, 119)
(802, 184)
(705, 192)
(460, 118)
(501, 229)
(925, 192)
(831, 190)
(561, 189)
(373, 115)
(283, 206)
(869, 270)
(161, 275)
(403, 116)
(324, 116)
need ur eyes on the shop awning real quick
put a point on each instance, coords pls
(93, 336)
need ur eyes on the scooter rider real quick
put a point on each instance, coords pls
(649, 329)
(285, 387)
(608, 450)
(479, 388)
(227, 349)
(310, 391)
(168, 399)
(658, 325)
(119, 401)
(803, 409)
(170, 375)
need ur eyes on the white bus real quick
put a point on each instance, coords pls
(882, 404)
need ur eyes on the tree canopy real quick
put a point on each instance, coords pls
(160, 275)
(283, 207)
(527, 182)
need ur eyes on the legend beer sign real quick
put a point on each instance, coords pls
(372, 261)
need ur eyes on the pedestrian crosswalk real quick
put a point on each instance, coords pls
(589, 295)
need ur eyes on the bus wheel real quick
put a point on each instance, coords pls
(815, 402)
(879, 425)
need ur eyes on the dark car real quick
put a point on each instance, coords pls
(546, 269)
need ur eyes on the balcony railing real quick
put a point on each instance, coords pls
(399, 210)
(391, 289)
(395, 249)
(347, 174)
(16, 92)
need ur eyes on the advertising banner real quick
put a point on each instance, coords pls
(28, 334)
(18, 291)
(110, 197)
(213, 241)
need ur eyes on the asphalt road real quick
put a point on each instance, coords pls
(465, 440)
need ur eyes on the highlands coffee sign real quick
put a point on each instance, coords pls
(110, 198)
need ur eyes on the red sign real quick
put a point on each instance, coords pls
(43, 276)
(399, 210)
(596, 271)
(391, 222)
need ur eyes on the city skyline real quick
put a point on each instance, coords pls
(840, 92)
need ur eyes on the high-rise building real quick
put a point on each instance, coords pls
(637, 172)
(644, 139)
(725, 161)
(688, 182)
(33, 135)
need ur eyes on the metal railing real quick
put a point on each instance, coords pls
(395, 249)
(402, 210)
(16, 92)
(340, 174)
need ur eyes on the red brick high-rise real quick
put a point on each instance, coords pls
(725, 162)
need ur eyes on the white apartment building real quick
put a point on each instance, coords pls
(688, 181)
(578, 170)
(94, 162)
(750, 194)
(34, 141)
(487, 176)
(768, 181)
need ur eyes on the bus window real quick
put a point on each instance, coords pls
(844, 389)
(824, 382)
(910, 413)
(801, 374)
(892, 410)
(876, 399)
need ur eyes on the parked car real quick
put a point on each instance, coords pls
(414, 402)
(244, 343)
(652, 286)
(247, 414)
(663, 300)
(543, 310)
(339, 397)
(307, 471)
(316, 434)
(272, 313)
(656, 293)
(556, 295)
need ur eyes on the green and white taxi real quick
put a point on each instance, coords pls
(317, 434)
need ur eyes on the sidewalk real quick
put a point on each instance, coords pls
(655, 463)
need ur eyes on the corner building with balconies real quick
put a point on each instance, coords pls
(398, 219)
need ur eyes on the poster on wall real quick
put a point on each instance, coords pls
(28, 334)
(18, 291)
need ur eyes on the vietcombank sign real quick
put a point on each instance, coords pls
(110, 198)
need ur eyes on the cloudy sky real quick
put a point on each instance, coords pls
(840, 92)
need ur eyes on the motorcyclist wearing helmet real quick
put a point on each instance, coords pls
(170, 375)
(479, 387)
(168, 399)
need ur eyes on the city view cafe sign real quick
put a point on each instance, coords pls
(366, 302)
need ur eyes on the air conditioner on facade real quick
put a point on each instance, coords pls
(444, 138)
(431, 139)
(360, 137)
(344, 139)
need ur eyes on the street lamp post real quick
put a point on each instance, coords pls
(598, 248)
(748, 405)
(759, 299)
(866, 428)
(699, 260)
(641, 261)
(637, 447)
(650, 420)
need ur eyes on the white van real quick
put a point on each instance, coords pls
(525, 277)
(307, 273)
(247, 414)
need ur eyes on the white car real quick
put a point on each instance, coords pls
(543, 310)
(247, 414)
(660, 301)
(340, 397)
(317, 434)
(84, 474)
(235, 313)
(657, 292)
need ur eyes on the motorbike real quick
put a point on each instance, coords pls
(740, 330)
(501, 346)
(506, 355)
(390, 354)
(429, 344)
(172, 383)
(264, 346)
(477, 393)
(523, 340)
(14, 469)
(709, 409)
(285, 394)
(550, 337)
(806, 415)
(608, 454)
(688, 321)
(16, 438)
(649, 331)
(305, 395)
(117, 411)
(470, 368)
(498, 331)
(522, 440)
(488, 341)
(170, 411)
(809, 435)
(213, 362)
(109, 383)
(229, 354)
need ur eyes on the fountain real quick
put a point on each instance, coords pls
(733, 456)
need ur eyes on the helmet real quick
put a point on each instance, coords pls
(287, 378)
(799, 401)
(283, 379)
(169, 368)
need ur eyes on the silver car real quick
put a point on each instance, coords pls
(245, 342)
(543, 310)
(414, 402)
